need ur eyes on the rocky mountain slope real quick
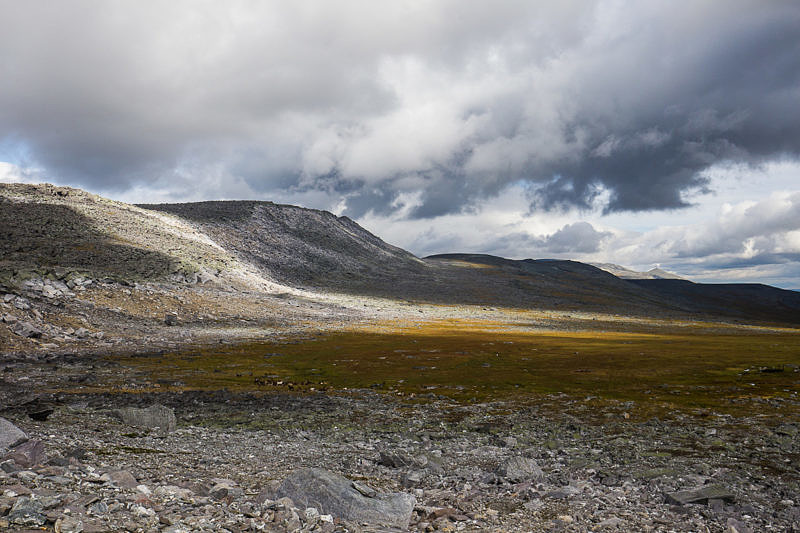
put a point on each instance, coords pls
(300, 247)
(76, 267)
(46, 228)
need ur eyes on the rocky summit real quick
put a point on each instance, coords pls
(250, 366)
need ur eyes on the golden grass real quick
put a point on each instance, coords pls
(484, 361)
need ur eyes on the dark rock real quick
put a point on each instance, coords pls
(701, 495)
(39, 409)
(58, 461)
(333, 494)
(41, 414)
(77, 452)
(171, 319)
(400, 460)
(519, 469)
(27, 330)
(27, 512)
(156, 417)
(28, 454)
(10, 435)
(221, 491)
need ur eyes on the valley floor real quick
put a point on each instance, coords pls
(493, 419)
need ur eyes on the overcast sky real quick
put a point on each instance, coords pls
(641, 133)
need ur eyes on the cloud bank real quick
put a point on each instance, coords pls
(427, 107)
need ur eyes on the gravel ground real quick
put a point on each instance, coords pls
(557, 464)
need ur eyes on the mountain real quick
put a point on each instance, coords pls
(299, 247)
(266, 248)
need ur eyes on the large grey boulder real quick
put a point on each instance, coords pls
(156, 417)
(700, 495)
(10, 435)
(518, 469)
(336, 495)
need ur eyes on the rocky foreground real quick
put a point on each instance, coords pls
(220, 461)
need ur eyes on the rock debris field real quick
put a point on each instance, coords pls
(219, 461)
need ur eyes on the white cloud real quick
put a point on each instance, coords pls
(11, 173)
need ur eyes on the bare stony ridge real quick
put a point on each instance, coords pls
(44, 227)
(304, 247)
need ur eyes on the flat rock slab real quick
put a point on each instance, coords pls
(701, 495)
(156, 417)
(336, 495)
(28, 454)
(10, 435)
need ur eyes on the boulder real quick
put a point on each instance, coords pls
(10, 435)
(171, 319)
(700, 495)
(26, 329)
(519, 469)
(336, 495)
(157, 417)
(400, 460)
(27, 512)
(123, 479)
(28, 454)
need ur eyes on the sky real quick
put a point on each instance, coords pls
(647, 133)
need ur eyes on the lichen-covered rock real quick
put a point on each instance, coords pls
(27, 512)
(333, 494)
(517, 469)
(700, 495)
(28, 454)
(156, 417)
(10, 435)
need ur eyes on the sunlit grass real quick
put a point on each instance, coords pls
(481, 361)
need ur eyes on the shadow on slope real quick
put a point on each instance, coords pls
(34, 235)
(542, 283)
(318, 250)
(746, 301)
(303, 247)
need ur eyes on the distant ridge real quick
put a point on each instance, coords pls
(626, 273)
(742, 300)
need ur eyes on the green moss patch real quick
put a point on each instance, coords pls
(474, 363)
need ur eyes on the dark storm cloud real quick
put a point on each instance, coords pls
(446, 102)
